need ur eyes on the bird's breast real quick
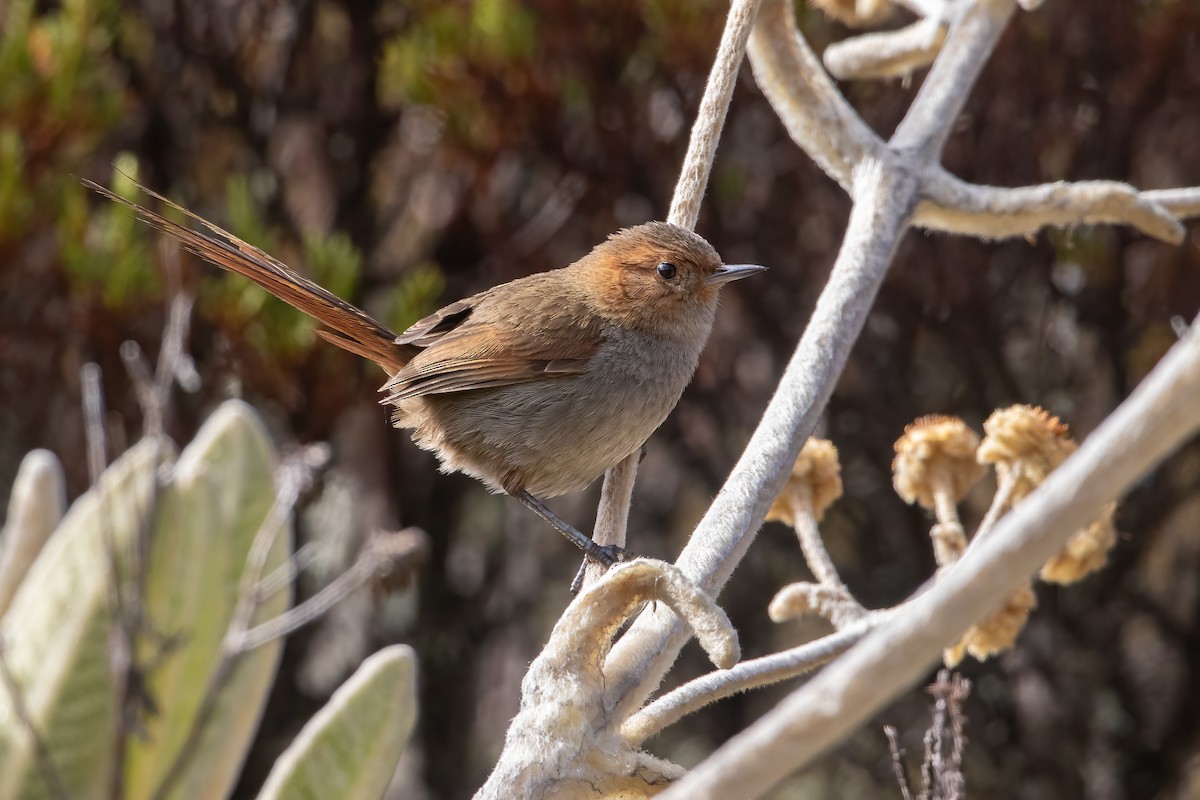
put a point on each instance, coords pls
(558, 434)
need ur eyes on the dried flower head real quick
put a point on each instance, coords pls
(816, 481)
(998, 631)
(855, 13)
(935, 454)
(1086, 551)
(1026, 443)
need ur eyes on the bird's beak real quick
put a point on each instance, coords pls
(732, 272)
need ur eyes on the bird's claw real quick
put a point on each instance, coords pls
(604, 555)
(609, 554)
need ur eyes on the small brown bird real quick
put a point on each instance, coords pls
(535, 386)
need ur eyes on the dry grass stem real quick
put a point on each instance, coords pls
(945, 741)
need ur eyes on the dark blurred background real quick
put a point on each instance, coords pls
(409, 153)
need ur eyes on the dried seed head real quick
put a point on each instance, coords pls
(855, 13)
(395, 557)
(816, 480)
(998, 631)
(1086, 551)
(935, 453)
(1026, 443)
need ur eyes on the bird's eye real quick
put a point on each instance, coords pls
(666, 270)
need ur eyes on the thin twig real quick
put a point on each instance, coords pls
(41, 752)
(286, 573)
(804, 522)
(369, 565)
(832, 603)
(898, 768)
(170, 358)
(1007, 484)
(612, 517)
(93, 419)
(752, 674)
(710, 119)
(1182, 203)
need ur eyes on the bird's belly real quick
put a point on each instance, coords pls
(555, 434)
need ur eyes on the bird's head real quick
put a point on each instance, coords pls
(658, 277)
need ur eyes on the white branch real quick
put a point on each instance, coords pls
(696, 694)
(1183, 203)
(993, 212)
(931, 117)
(886, 54)
(814, 112)
(1162, 413)
(554, 741)
(702, 147)
(642, 657)
(612, 517)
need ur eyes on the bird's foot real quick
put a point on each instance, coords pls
(603, 554)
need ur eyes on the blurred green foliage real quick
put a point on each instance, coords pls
(62, 93)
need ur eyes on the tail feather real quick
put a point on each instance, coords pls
(348, 327)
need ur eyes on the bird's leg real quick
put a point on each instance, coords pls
(577, 583)
(606, 555)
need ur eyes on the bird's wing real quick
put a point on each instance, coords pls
(349, 327)
(463, 351)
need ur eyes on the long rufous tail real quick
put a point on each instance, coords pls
(347, 327)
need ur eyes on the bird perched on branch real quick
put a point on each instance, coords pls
(535, 386)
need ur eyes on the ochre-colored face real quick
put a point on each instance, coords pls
(653, 274)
